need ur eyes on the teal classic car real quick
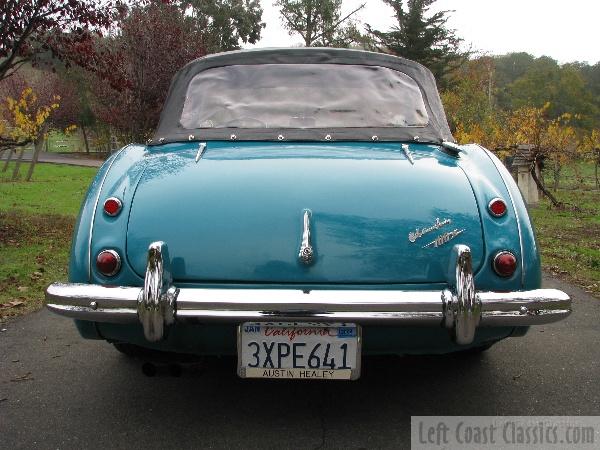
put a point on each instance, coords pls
(301, 208)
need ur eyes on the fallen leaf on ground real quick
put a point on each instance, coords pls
(15, 303)
(25, 377)
(22, 288)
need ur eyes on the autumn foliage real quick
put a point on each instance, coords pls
(63, 29)
(132, 81)
(558, 132)
(27, 115)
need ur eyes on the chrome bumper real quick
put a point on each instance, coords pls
(159, 304)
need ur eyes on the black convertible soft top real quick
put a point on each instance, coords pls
(171, 129)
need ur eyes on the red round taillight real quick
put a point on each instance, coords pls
(108, 262)
(497, 207)
(505, 264)
(112, 206)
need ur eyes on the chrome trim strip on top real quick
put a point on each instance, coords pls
(94, 212)
(408, 153)
(502, 170)
(201, 149)
(455, 148)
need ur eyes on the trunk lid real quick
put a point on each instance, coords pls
(236, 215)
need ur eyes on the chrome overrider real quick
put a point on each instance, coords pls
(459, 307)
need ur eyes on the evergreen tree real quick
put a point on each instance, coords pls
(421, 37)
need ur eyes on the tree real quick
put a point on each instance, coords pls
(507, 69)
(131, 81)
(25, 121)
(75, 93)
(225, 23)
(319, 23)
(591, 75)
(63, 28)
(591, 148)
(469, 100)
(553, 139)
(33, 103)
(562, 86)
(470, 104)
(511, 66)
(421, 37)
(156, 39)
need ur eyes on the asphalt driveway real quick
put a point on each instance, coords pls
(58, 391)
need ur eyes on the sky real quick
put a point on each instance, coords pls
(564, 30)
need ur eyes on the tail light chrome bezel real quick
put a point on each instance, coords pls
(495, 264)
(119, 206)
(491, 210)
(117, 259)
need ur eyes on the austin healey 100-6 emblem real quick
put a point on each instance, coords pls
(420, 232)
(444, 237)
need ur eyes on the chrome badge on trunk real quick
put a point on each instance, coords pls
(442, 239)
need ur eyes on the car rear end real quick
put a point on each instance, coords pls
(300, 208)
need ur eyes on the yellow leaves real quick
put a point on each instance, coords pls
(487, 132)
(592, 140)
(556, 139)
(70, 129)
(25, 118)
(590, 145)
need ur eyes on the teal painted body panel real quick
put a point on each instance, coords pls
(236, 215)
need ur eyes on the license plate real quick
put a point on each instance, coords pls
(306, 351)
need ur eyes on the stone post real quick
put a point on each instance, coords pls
(522, 162)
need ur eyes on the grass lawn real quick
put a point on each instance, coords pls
(61, 142)
(36, 223)
(569, 238)
(55, 189)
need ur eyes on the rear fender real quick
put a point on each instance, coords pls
(117, 177)
(514, 231)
